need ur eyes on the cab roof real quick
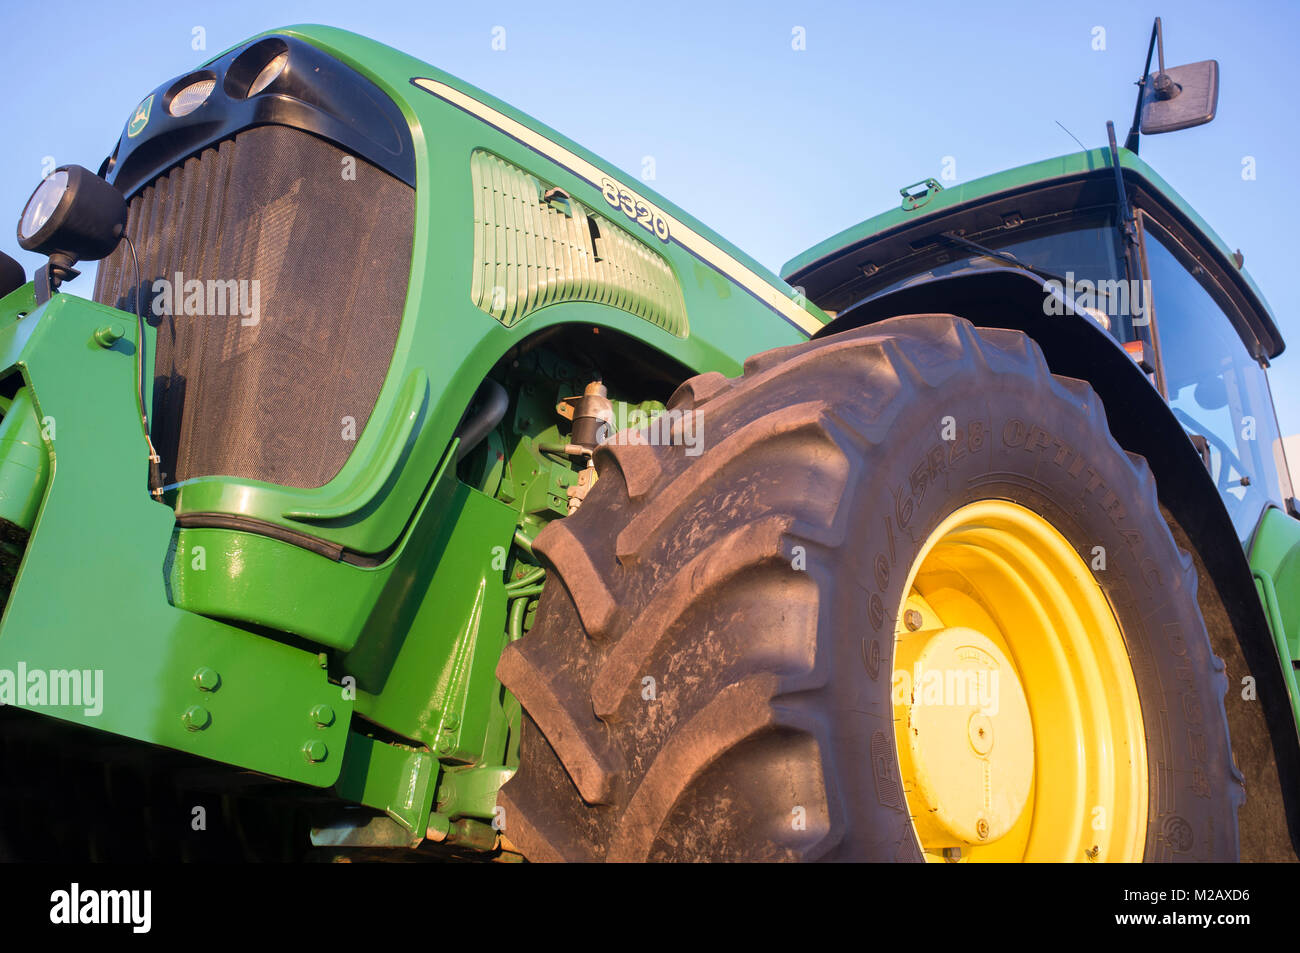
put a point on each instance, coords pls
(816, 268)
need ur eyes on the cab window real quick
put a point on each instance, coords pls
(1218, 392)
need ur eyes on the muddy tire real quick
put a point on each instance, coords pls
(709, 676)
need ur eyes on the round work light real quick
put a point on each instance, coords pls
(74, 213)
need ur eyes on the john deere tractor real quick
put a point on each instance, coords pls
(418, 485)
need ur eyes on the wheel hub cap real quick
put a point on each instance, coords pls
(970, 742)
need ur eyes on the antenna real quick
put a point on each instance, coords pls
(1072, 135)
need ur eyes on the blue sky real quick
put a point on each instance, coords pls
(776, 148)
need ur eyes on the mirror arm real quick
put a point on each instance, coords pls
(1157, 39)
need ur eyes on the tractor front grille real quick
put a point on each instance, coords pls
(320, 242)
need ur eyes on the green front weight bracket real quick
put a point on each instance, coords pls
(91, 593)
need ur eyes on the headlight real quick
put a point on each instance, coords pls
(42, 204)
(73, 212)
(269, 72)
(191, 97)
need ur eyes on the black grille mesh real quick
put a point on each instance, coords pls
(268, 401)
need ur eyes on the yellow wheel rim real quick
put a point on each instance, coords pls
(1016, 713)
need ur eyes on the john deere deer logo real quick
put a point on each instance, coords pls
(140, 119)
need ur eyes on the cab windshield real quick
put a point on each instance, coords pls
(1082, 249)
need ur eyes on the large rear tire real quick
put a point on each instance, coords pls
(712, 674)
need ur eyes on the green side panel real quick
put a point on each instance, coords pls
(416, 637)
(91, 593)
(1275, 563)
(431, 676)
(228, 574)
(530, 252)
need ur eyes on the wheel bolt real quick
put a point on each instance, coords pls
(912, 619)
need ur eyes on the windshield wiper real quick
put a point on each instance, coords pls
(1067, 285)
(1005, 256)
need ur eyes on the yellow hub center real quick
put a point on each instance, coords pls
(970, 742)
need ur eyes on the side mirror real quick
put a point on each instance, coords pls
(1180, 98)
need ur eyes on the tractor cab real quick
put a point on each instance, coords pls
(1108, 242)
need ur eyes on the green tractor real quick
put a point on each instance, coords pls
(418, 485)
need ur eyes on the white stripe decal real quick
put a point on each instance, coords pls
(693, 242)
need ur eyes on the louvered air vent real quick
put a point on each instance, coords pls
(530, 252)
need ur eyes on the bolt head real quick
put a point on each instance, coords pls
(322, 716)
(913, 620)
(315, 751)
(196, 718)
(207, 679)
(109, 335)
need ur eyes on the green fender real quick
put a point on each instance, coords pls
(1275, 564)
